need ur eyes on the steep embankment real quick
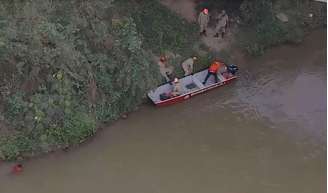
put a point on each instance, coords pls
(75, 64)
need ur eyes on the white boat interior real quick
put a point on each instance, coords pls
(189, 84)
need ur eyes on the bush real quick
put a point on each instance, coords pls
(63, 47)
(15, 109)
(9, 149)
(162, 30)
(76, 128)
(262, 30)
(13, 146)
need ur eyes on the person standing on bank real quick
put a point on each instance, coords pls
(222, 24)
(203, 20)
(188, 65)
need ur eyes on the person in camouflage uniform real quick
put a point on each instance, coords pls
(188, 65)
(222, 24)
(203, 20)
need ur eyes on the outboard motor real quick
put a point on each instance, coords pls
(232, 68)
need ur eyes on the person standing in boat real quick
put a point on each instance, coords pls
(165, 70)
(203, 19)
(176, 88)
(214, 68)
(188, 65)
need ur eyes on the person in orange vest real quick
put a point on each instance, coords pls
(213, 70)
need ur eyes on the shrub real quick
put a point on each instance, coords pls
(15, 109)
(14, 146)
(64, 46)
(262, 30)
(9, 149)
(162, 30)
(77, 127)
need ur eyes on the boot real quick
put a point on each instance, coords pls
(216, 35)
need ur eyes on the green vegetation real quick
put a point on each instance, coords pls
(66, 66)
(262, 29)
(163, 31)
(70, 65)
(259, 28)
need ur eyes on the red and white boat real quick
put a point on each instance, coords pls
(191, 86)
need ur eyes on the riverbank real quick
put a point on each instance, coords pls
(254, 26)
(72, 66)
(260, 133)
(90, 65)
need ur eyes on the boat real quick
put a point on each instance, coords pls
(191, 86)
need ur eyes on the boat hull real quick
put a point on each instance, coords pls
(187, 96)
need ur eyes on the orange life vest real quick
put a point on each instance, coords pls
(214, 67)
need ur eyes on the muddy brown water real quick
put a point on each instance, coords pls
(265, 133)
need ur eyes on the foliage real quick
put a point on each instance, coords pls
(16, 107)
(162, 29)
(12, 146)
(70, 67)
(262, 30)
(125, 85)
(75, 129)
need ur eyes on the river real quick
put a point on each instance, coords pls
(265, 133)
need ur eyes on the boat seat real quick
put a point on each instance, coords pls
(191, 86)
(198, 83)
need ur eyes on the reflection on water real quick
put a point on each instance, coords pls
(264, 133)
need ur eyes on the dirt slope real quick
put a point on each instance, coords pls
(186, 9)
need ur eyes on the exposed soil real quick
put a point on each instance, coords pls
(187, 10)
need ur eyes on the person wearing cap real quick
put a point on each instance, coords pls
(176, 88)
(203, 20)
(188, 65)
(214, 68)
(165, 70)
(222, 24)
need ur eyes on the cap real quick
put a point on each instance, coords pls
(162, 58)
